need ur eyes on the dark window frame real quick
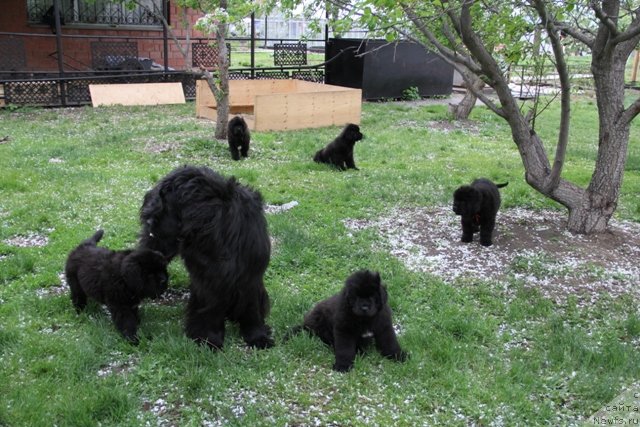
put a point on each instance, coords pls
(98, 13)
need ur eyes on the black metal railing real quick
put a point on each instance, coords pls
(101, 12)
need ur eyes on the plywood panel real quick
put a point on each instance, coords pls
(137, 94)
(285, 104)
(307, 110)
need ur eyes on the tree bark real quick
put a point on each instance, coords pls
(222, 95)
(462, 110)
(589, 209)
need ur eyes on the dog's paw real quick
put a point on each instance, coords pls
(261, 343)
(401, 356)
(342, 367)
(214, 341)
(485, 242)
(132, 339)
(466, 238)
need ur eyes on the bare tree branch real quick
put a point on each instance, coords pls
(605, 18)
(576, 33)
(631, 112)
(451, 54)
(633, 30)
(565, 97)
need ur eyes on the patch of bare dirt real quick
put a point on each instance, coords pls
(446, 126)
(29, 241)
(157, 147)
(531, 246)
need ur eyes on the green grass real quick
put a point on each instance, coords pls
(480, 354)
(241, 56)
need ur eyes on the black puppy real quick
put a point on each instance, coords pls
(238, 135)
(118, 279)
(219, 229)
(478, 205)
(339, 152)
(350, 320)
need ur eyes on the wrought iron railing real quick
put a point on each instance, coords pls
(105, 12)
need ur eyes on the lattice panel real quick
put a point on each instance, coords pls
(115, 56)
(315, 76)
(239, 75)
(289, 54)
(205, 55)
(32, 93)
(12, 57)
(272, 75)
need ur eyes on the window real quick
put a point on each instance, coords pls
(104, 12)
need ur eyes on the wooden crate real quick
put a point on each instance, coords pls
(284, 104)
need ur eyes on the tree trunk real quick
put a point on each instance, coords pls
(601, 196)
(222, 98)
(462, 110)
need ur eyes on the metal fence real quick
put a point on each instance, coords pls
(116, 60)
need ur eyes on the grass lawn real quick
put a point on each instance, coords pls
(482, 352)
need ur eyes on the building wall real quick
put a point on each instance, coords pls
(40, 49)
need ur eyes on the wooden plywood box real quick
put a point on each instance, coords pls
(284, 104)
(136, 94)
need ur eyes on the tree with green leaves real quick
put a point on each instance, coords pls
(480, 38)
(217, 16)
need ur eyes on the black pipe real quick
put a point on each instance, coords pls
(61, 83)
(165, 43)
(253, 45)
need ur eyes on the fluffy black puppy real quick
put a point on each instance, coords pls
(219, 229)
(339, 152)
(350, 320)
(238, 135)
(118, 279)
(478, 205)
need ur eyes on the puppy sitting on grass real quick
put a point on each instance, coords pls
(478, 206)
(118, 279)
(354, 318)
(339, 152)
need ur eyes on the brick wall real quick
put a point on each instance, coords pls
(41, 52)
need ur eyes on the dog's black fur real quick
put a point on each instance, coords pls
(350, 320)
(238, 135)
(118, 279)
(219, 229)
(339, 152)
(478, 205)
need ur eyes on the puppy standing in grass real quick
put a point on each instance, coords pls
(118, 279)
(339, 152)
(478, 206)
(350, 320)
(238, 135)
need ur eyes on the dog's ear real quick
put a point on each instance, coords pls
(132, 274)
(152, 207)
(382, 291)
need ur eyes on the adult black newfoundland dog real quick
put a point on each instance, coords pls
(478, 206)
(354, 318)
(118, 279)
(219, 229)
(238, 135)
(339, 152)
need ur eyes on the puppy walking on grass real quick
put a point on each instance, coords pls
(354, 318)
(118, 279)
(238, 137)
(478, 206)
